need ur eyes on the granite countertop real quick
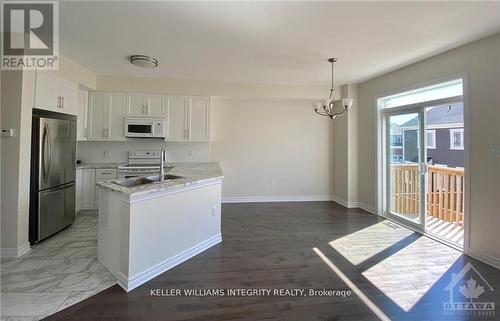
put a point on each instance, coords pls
(191, 173)
(98, 165)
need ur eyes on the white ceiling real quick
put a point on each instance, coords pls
(268, 42)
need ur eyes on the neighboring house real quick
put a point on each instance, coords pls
(445, 137)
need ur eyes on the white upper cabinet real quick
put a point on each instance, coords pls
(188, 118)
(177, 118)
(55, 93)
(98, 116)
(46, 90)
(145, 105)
(106, 114)
(117, 103)
(156, 106)
(136, 105)
(81, 113)
(198, 118)
(68, 96)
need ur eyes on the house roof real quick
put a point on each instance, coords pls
(441, 115)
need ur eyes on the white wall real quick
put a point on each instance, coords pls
(16, 108)
(481, 61)
(17, 100)
(270, 143)
(271, 148)
(208, 88)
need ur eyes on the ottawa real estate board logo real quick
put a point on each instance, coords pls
(30, 35)
(469, 294)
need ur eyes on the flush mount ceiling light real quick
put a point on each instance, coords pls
(144, 61)
(331, 107)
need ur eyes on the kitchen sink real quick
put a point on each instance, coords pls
(166, 177)
(138, 181)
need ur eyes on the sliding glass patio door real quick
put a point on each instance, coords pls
(405, 167)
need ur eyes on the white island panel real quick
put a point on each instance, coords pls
(143, 237)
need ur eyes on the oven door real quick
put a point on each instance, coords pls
(139, 127)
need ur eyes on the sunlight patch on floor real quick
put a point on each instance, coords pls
(407, 275)
(363, 244)
(369, 303)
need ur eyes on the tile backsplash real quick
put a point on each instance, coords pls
(117, 152)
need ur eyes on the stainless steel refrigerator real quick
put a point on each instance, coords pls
(53, 171)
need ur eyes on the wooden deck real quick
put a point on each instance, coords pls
(449, 231)
(445, 198)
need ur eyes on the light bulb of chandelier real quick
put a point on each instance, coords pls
(347, 102)
(316, 105)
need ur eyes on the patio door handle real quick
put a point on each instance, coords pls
(422, 168)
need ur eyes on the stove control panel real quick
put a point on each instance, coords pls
(144, 154)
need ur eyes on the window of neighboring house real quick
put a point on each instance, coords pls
(431, 139)
(457, 138)
(396, 141)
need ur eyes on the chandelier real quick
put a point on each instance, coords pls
(331, 107)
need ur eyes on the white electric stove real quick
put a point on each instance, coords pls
(140, 163)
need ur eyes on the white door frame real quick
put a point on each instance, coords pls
(381, 145)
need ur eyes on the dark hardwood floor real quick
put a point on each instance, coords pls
(272, 245)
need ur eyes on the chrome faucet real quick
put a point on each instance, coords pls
(163, 159)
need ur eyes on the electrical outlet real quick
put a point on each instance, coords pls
(214, 210)
(106, 153)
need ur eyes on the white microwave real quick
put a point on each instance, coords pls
(145, 127)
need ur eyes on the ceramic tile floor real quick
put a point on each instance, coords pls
(57, 273)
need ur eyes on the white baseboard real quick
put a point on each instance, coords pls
(484, 258)
(128, 284)
(15, 252)
(325, 198)
(344, 203)
(368, 208)
(265, 199)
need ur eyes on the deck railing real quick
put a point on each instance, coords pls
(445, 191)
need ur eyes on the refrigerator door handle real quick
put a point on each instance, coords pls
(46, 153)
(50, 150)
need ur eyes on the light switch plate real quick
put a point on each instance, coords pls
(8, 132)
(495, 151)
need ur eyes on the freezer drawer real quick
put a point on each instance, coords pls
(56, 209)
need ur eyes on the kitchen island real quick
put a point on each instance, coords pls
(147, 229)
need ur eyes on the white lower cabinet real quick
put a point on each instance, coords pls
(101, 175)
(78, 190)
(87, 189)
